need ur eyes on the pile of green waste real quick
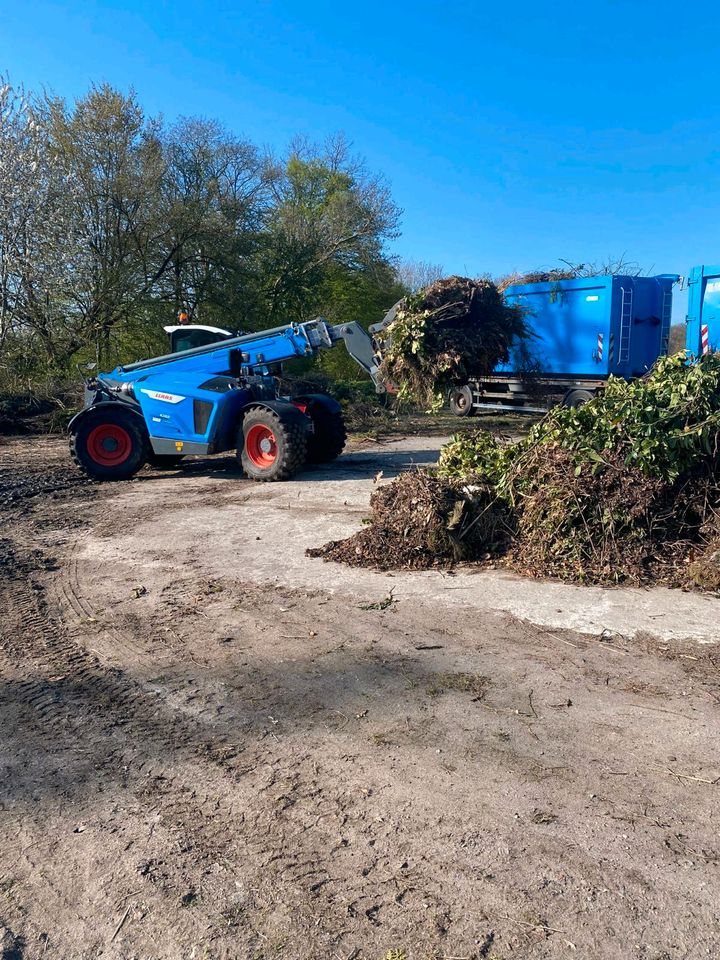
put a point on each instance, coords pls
(623, 489)
(452, 330)
(536, 276)
(423, 520)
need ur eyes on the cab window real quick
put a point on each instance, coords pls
(188, 339)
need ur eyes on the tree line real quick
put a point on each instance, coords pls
(112, 221)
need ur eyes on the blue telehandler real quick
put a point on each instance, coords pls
(221, 395)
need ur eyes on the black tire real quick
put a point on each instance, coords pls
(327, 441)
(461, 401)
(271, 446)
(109, 444)
(577, 398)
(165, 461)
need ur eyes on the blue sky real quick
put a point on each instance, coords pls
(512, 135)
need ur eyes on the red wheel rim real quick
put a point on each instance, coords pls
(109, 445)
(261, 446)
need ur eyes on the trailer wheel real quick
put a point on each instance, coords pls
(109, 445)
(327, 441)
(271, 446)
(577, 398)
(461, 401)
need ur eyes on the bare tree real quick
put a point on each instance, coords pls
(37, 234)
(678, 333)
(416, 274)
(215, 198)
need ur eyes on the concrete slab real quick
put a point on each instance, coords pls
(259, 533)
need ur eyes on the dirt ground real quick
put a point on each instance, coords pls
(214, 747)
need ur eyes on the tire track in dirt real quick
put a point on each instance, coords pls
(70, 694)
(283, 826)
(62, 670)
(294, 833)
(16, 487)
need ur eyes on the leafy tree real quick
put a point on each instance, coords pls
(363, 295)
(114, 160)
(328, 212)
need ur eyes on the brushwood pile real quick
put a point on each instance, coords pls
(452, 330)
(625, 489)
(421, 520)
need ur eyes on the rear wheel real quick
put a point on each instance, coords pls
(271, 446)
(577, 398)
(461, 401)
(109, 445)
(327, 441)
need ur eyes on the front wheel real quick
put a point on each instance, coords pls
(109, 445)
(271, 446)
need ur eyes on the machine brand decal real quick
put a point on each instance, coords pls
(159, 395)
(592, 299)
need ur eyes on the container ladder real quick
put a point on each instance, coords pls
(626, 317)
(665, 321)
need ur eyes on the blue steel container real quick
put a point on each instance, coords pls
(703, 315)
(591, 327)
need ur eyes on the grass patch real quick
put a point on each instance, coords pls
(473, 683)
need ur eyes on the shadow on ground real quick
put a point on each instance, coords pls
(350, 466)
